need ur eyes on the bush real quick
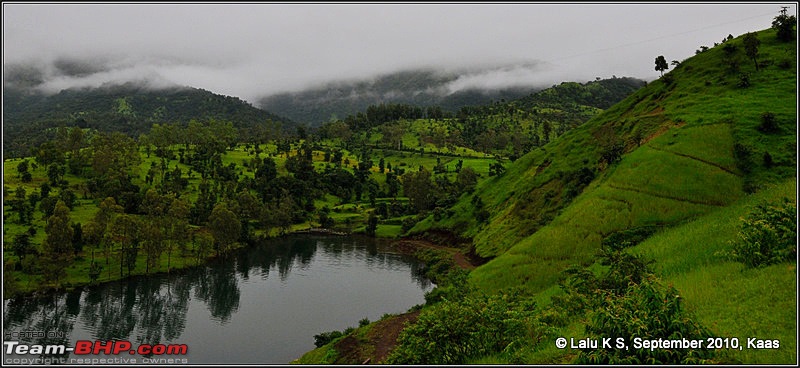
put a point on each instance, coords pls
(767, 235)
(326, 337)
(453, 332)
(743, 155)
(627, 301)
(408, 223)
(768, 123)
(744, 80)
(627, 238)
(647, 310)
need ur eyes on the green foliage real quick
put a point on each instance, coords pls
(452, 332)
(408, 223)
(125, 108)
(372, 224)
(225, 227)
(57, 252)
(325, 338)
(784, 25)
(768, 235)
(619, 240)
(627, 301)
(661, 64)
(744, 80)
(419, 189)
(768, 123)
(646, 310)
(751, 45)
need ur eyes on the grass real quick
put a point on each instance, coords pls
(680, 174)
(726, 297)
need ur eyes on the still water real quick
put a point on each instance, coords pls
(263, 305)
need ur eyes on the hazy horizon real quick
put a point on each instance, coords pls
(253, 50)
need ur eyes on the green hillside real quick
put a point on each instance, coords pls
(28, 117)
(680, 157)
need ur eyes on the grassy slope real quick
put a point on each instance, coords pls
(684, 169)
(726, 297)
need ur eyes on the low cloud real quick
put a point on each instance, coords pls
(256, 50)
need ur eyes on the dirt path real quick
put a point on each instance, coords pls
(378, 342)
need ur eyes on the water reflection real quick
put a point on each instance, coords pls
(156, 309)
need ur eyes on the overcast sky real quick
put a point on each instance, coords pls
(253, 49)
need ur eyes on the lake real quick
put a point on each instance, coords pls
(263, 304)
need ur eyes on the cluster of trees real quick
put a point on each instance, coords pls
(157, 212)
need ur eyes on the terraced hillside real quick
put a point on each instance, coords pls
(692, 150)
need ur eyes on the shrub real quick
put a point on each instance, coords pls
(408, 223)
(744, 80)
(627, 301)
(767, 235)
(743, 155)
(453, 332)
(768, 123)
(645, 310)
(326, 337)
(627, 238)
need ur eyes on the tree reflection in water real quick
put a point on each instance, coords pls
(153, 309)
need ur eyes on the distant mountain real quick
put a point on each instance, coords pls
(128, 108)
(422, 87)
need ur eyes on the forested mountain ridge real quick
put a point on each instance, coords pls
(129, 108)
(421, 87)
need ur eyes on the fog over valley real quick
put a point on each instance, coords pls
(254, 50)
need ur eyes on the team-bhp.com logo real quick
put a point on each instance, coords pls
(86, 347)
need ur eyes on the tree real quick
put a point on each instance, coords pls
(419, 189)
(22, 246)
(768, 235)
(225, 227)
(467, 179)
(496, 169)
(177, 227)
(152, 239)
(24, 174)
(203, 242)
(57, 247)
(784, 25)
(372, 224)
(661, 64)
(77, 238)
(96, 229)
(125, 230)
(751, 44)
(22, 205)
(610, 145)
